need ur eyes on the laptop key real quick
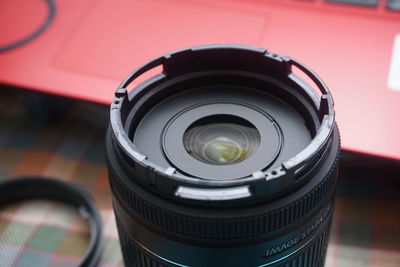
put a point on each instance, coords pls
(393, 5)
(369, 3)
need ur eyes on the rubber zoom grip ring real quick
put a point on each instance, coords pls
(312, 255)
(238, 227)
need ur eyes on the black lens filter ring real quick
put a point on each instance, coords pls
(31, 187)
(254, 61)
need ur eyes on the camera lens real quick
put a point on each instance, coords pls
(221, 140)
(226, 157)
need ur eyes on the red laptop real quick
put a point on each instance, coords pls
(84, 48)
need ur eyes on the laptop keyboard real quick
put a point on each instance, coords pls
(372, 3)
(393, 5)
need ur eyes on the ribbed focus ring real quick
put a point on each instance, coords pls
(223, 228)
(134, 256)
(313, 255)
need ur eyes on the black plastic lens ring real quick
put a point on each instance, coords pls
(179, 63)
(25, 188)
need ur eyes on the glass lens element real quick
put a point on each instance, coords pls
(221, 139)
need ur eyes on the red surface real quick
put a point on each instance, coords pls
(17, 22)
(92, 45)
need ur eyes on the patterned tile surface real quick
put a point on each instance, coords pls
(366, 229)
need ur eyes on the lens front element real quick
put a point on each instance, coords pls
(221, 140)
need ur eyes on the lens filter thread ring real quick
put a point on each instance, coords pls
(196, 59)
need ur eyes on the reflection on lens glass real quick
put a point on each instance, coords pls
(221, 139)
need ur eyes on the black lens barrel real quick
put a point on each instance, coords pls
(275, 215)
